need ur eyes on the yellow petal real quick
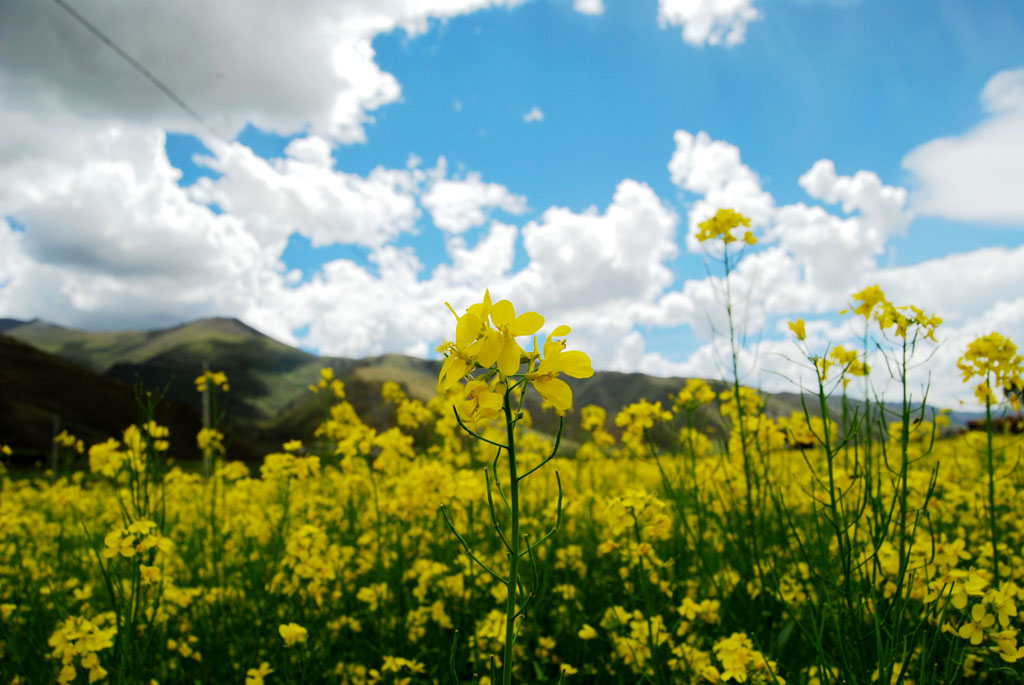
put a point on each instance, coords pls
(467, 330)
(490, 348)
(560, 331)
(503, 313)
(508, 360)
(527, 324)
(555, 391)
(576, 364)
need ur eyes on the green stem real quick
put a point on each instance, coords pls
(992, 493)
(513, 570)
(751, 538)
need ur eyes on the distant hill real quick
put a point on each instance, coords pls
(36, 387)
(11, 323)
(88, 378)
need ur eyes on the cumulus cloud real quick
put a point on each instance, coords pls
(976, 176)
(303, 193)
(713, 170)
(458, 204)
(588, 6)
(596, 258)
(111, 240)
(283, 69)
(709, 22)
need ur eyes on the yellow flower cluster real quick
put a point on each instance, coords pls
(721, 226)
(994, 359)
(485, 338)
(212, 379)
(327, 380)
(139, 537)
(873, 303)
(695, 393)
(81, 640)
(68, 441)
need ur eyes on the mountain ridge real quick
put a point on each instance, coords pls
(269, 401)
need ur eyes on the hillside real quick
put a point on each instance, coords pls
(88, 378)
(36, 387)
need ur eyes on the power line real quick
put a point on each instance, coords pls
(138, 67)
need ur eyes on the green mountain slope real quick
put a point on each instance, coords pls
(269, 401)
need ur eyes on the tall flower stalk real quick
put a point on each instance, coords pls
(483, 376)
(994, 360)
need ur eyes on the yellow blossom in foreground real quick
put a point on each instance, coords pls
(555, 361)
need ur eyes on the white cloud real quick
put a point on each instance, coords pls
(303, 193)
(588, 6)
(456, 205)
(709, 22)
(533, 115)
(977, 176)
(713, 170)
(110, 239)
(283, 69)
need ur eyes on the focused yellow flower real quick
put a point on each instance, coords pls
(485, 337)
(555, 361)
(500, 346)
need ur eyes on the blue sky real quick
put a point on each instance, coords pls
(371, 163)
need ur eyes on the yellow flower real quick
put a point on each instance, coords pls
(500, 346)
(798, 328)
(868, 298)
(481, 402)
(993, 358)
(216, 378)
(255, 676)
(459, 359)
(721, 225)
(292, 633)
(587, 632)
(555, 361)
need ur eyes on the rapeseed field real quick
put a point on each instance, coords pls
(465, 545)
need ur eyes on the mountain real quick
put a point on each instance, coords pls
(265, 375)
(40, 392)
(11, 323)
(269, 401)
